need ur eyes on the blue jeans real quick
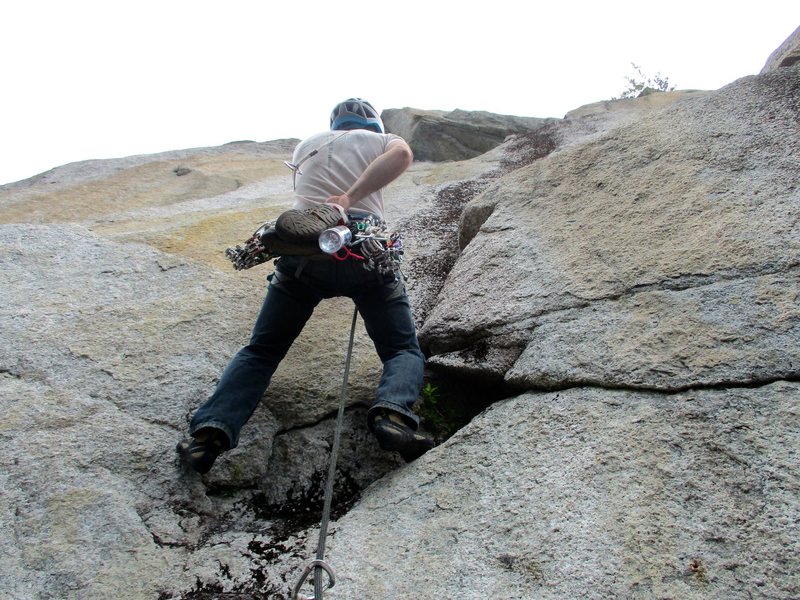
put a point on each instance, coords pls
(289, 303)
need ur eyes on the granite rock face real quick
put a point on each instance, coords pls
(590, 493)
(786, 55)
(626, 278)
(670, 239)
(457, 135)
(119, 313)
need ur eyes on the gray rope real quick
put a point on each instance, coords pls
(326, 510)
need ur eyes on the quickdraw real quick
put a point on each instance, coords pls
(254, 251)
(346, 253)
(314, 566)
(382, 251)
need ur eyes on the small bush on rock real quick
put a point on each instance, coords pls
(640, 84)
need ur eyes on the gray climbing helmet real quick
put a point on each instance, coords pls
(355, 113)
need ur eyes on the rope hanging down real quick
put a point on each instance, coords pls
(319, 566)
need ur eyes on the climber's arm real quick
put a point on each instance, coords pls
(381, 172)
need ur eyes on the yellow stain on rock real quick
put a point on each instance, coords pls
(207, 235)
(153, 184)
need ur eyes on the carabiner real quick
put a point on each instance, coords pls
(314, 564)
(347, 254)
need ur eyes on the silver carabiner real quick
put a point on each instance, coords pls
(295, 171)
(314, 564)
(296, 167)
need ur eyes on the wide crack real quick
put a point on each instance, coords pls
(443, 220)
(441, 223)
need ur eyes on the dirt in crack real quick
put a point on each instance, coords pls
(300, 512)
(529, 147)
(440, 222)
(280, 539)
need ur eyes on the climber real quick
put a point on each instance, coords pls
(338, 172)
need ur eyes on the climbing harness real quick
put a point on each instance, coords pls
(364, 238)
(319, 566)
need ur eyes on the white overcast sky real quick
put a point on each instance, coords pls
(101, 79)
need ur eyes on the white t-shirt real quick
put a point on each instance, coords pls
(341, 159)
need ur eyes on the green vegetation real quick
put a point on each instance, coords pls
(437, 417)
(640, 84)
(446, 405)
(430, 393)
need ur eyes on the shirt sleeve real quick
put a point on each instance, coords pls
(390, 139)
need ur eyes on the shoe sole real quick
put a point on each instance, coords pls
(394, 439)
(294, 225)
(277, 246)
(190, 459)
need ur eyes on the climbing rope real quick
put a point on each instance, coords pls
(319, 566)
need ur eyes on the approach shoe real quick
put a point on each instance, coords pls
(277, 246)
(201, 450)
(395, 435)
(305, 225)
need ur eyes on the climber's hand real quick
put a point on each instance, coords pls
(342, 201)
